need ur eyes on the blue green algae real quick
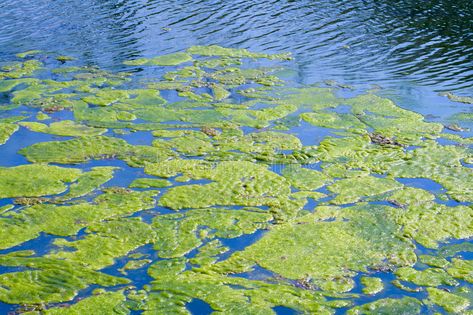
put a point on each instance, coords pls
(106, 241)
(326, 223)
(47, 280)
(66, 220)
(105, 303)
(63, 59)
(329, 232)
(372, 285)
(178, 234)
(28, 53)
(17, 70)
(88, 182)
(6, 130)
(150, 183)
(452, 303)
(458, 98)
(86, 148)
(165, 60)
(35, 180)
(64, 128)
(405, 305)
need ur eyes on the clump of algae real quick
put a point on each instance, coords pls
(67, 220)
(215, 50)
(303, 178)
(452, 303)
(233, 183)
(114, 239)
(106, 303)
(35, 180)
(6, 130)
(372, 285)
(293, 249)
(178, 234)
(231, 168)
(64, 128)
(405, 305)
(18, 70)
(165, 60)
(150, 182)
(85, 148)
(88, 182)
(47, 280)
(350, 190)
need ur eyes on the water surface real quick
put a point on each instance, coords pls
(407, 51)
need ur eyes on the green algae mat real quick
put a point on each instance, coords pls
(208, 175)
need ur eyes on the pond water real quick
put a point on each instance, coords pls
(266, 184)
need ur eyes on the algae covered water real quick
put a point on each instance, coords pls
(207, 179)
(209, 175)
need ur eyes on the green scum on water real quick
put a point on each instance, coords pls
(336, 225)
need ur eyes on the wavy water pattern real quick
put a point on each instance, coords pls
(429, 43)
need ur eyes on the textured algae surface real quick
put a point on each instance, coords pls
(147, 192)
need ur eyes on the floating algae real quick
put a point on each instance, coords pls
(434, 261)
(106, 97)
(350, 190)
(461, 269)
(166, 60)
(20, 69)
(372, 285)
(28, 223)
(150, 183)
(94, 147)
(88, 182)
(6, 130)
(231, 295)
(105, 242)
(234, 183)
(28, 53)
(64, 128)
(105, 303)
(47, 280)
(134, 264)
(215, 50)
(63, 59)
(305, 179)
(208, 253)
(429, 277)
(178, 234)
(42, 116)
(406, 306)
(457, 98)
(450, 302)
(431, 223)
(293, 249)
(173, 286)
(224, 154)
(35, 180)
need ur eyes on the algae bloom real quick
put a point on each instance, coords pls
(143, 193)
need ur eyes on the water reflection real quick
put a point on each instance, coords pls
(361, 41)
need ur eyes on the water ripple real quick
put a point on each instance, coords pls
(368, 41)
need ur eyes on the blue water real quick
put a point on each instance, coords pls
(411, 49)
(397, 44)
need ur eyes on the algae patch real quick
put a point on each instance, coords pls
(165, 60)
(224, 202)
(322, 249)
(35, 180)
(48, 281)
(6, 130)
(64, 128)
(82, 149)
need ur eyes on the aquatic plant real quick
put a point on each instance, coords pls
(222, 162)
